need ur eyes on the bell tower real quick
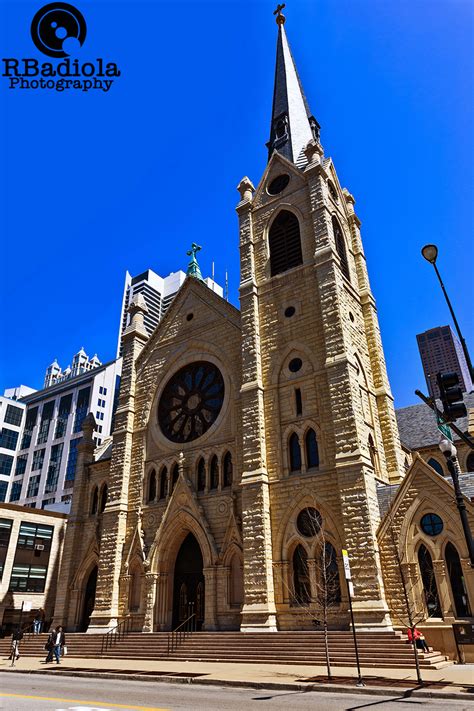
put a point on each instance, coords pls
(312, 361)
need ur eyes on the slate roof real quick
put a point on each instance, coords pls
(387, 492)
(417, 424)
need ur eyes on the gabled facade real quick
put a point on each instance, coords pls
(240, 436)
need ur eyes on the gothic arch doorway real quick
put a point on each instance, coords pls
(188, 583)
(88, 600)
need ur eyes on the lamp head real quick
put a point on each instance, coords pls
(430, 253)
(447, 447)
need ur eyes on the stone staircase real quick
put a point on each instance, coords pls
(376, 649)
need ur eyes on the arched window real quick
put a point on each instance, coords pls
(470, 462)
(228, 470)
(95, 500)
(201, 475)
(285, 243)
(373, 454)
(151, 493)
(164, 483)
(312, 453)
(174, 476)
(214, 473)
(341, 247)
(456, 578)
(430, 589)
(434, 464)
(295, 453)
(103, 498)
(301, 575)
(330, 585)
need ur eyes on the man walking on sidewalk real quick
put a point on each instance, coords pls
(17, 636)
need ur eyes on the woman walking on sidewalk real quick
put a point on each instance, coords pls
(17, 636)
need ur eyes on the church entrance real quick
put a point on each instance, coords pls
(188, 587)
(89, 600)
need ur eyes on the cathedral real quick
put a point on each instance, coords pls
(242, 437)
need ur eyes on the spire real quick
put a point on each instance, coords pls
(193, 266)
(292, 124)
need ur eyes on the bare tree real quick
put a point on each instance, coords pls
(317, 591)
(407, 608)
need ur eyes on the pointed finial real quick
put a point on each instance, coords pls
(280, 19)
(193, 266)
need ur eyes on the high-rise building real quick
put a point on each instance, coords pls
(42, 464)
(158, 293)
(11, 419)
(441, 352)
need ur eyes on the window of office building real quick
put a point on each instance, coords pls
(46, 417)
(47, 502)
(6, 463)
(3, 490)
(31, 417)
(81, 408)
(63, 414)
(8, 438)
(54, 467)
(28, 578)
(13, 415)
(38, 459)
(5, 531)
(15, 491)
(33, 485)
(20, 467)
(72, 459)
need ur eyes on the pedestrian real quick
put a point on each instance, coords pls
(41, 617)
(419, 638)
(59, 640)
(17, 636)
(36, 624)
(49, 646)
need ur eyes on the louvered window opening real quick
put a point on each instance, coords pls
(285, 243)
(341, 248)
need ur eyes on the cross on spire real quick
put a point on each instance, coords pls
(193, 266)
(280, 19)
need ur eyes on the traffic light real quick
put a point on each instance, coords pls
(450, 395)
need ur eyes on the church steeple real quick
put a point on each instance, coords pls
(292, 124)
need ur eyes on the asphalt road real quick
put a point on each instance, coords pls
(29, 692)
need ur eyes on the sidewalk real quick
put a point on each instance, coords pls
(456, 681)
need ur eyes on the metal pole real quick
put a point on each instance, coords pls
(360, 681)
(453, 466)
(461, 338)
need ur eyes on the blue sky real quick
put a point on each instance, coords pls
(96, 183)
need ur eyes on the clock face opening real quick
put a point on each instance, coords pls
(191, 402)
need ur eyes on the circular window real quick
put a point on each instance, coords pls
(278, 184)
(431, 524)
(189, 317)
(191, 402)
(295, 364)
(309, 522)
(290, 311)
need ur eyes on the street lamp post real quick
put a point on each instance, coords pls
(449, 451)
(430, 253)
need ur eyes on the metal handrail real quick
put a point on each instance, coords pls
(178, 635)
(116, 634)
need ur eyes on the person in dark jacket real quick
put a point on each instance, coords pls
(59, 640)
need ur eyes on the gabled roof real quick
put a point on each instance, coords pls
(417, 424)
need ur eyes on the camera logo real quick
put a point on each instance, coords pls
(58, 29)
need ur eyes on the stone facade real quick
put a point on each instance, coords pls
(171, 522)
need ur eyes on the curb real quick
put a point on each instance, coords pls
(271, 685)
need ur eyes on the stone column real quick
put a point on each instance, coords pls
(125, 593)
(258, 612)
(150, 596)
(313, 580)
(162, 596)
(210, 616)
(447, 607)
